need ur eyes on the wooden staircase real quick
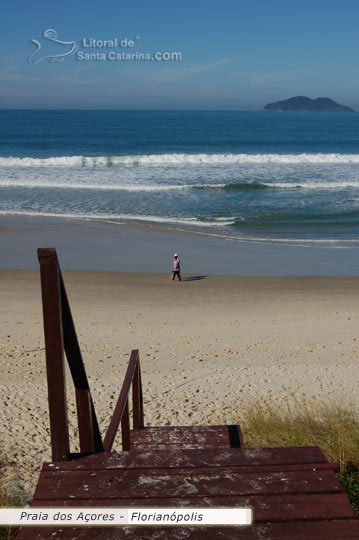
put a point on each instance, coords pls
(294, 492)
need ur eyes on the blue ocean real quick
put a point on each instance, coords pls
(259, 176)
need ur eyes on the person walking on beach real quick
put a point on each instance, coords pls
(176, 267)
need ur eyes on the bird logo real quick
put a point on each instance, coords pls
(46, 43)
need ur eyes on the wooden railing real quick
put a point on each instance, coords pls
(122, 413)
(60, 338)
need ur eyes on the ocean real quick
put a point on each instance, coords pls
(259, 176)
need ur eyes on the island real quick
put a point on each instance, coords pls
(306, 104)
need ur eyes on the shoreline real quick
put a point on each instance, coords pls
(132, 247)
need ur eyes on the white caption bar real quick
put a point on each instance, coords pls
(124, 516)
(189, 516)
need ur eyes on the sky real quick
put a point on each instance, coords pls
(234, 54)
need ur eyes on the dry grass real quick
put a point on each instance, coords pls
(11, 495)
(332, 427)
(8, 533)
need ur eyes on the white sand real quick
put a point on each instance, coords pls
(206, 348)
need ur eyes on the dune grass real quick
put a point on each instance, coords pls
(332, 427)
(12, 495)
(8, 533)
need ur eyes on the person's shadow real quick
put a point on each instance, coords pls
(194, 278)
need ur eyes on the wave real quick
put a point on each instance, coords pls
(234, 186)
(315, 218)
(303, 242)
(267, 221)
(215, 222)
(161, 220)
(287, 185)
(314, 185)
(176, 159)
(96, 186)
(118, 186)
(244, 186)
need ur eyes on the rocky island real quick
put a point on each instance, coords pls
(306, 104)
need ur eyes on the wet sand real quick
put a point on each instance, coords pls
(129, 247)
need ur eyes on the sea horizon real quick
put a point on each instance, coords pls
(171, 109)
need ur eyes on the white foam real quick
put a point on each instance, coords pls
(55, 184)
(129, 217)
(313, 185)
(176, 159)
(302, 242)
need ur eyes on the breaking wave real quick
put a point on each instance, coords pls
(220, 222)
(175, 159)
(119, 186)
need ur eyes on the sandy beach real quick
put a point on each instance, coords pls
(207, 346)
(227, 134)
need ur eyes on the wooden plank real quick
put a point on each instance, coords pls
(122, 407)
(142, 415)
(107, 484)
(85, 420)
(186, 437)
(54, 347)
(267, 509)
(207, 470)
(186, 445)
(89, 432)
(136, 399)
(211, 457)
(125, 428)
(314, 530)
(158, 430)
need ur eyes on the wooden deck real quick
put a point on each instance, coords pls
(295, 493)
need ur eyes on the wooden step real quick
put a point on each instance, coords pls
(314, 530)
(107, 484)
(172, 437)
(192, 458)
(267, 508)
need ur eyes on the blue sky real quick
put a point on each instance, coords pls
(235, 54)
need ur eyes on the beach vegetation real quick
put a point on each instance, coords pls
(12, 495)
(331, 426)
